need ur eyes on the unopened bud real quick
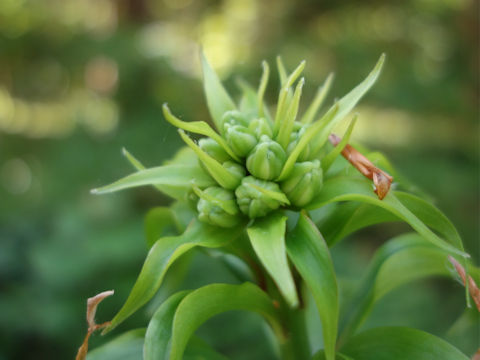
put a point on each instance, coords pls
(267, 159)
(260, 127)
(304, 182)
(217, 206)
(235, 169)
(240, 139)
(252, 201)
(213, 149)
(235, 117)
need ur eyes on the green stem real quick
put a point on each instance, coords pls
(296, 347)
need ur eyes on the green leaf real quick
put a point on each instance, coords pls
(161, 256)
(158, 221)
(221, 175)
(127, 346)
(349, 217)
(302, 143)
(159, 330)
(348, 102)
(399, 343)
(218, 100)
(402, 259)
(327, 161)
(198, 127)
(208, 301)
(309, 253)
(262, 87)
(342, 188)
(283, 137)
(182, 157)
(178, 177)
(322, 92)
(267, 236)
(199, 350)
(284, 96)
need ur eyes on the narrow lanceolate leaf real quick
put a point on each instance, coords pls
(198, 127)
(218, 100)
(400, 343)
(348, 102)
(285, 95)
(309, 253)
(283, 137)
(262, 87)
(342, 188)
(161, 256)
(159, 330)
(328, 160)
(177, 177)
(403, 259)
(221, 175)
(322, 92)
(208, 301)
(311, 132)
(127, 346)
(267, 236)
(183, 156)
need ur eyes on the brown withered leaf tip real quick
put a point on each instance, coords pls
(92, 304)
(381, 179)
(472, 286)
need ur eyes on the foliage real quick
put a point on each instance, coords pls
(243, 199)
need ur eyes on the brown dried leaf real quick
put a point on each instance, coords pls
(381, 179)
(472, 286)
(92, 304)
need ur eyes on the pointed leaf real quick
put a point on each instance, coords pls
(310, 255)
(307, 137)
(221, 175)
(267, 236)
(198, 127)
(183, 157)
(344, 188)
(161, 256)
(127, 346)
(328, 159)
(178, 177)
(403, 259)
(400, 343)
(322, 92)
(348, 102)
(262, 87)
(218, 100)
(208, 301)
(283, 137)
(159, 330)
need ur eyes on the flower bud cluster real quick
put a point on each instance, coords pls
(262, 160)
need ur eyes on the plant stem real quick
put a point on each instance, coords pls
(297, 346)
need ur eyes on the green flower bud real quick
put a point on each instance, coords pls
(217, 206)
(266, 159)
(235, 169)
(212, 148)
(240, 139)
(252, 201)
(260, 127)
(235, 117)
(304, 182)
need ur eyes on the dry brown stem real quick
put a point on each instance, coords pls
(92, 304)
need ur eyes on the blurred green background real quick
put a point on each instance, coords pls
(79, 80)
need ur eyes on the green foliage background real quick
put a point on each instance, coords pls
(81, 79)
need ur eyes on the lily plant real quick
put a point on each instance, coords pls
(272, 190)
